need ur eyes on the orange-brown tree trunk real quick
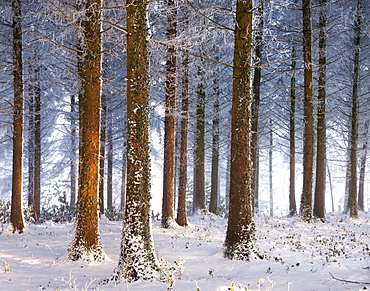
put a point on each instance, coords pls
(168, 212)
(86, 243)
(16, 215)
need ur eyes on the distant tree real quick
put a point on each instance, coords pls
(308, 145)
(168, 212)
(16, 216)
(102, 157)
(86, 243)
(240, 235)
(73, 150)
(137, 257)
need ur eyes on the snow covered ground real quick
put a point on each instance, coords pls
(300, 257)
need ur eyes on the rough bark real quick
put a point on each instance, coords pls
(109, 160)
(37, 161)
(168, 212)
(308, 143)
(102, 158)
(270, 169)
(86, 244)
(16, 215)
(319, 202)
(137, 257)
(240, 235)
(73, 151)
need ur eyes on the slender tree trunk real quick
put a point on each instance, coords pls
(123, 181)
(103, 135)
(31, 149)
(361, 185)
(37, 174)
(319, 203)
(199, 157)
(168, 212)
(73, 151)
(16, 215)
(256, 102)
(292, 200)
(353, 198)
(182, 219)
(240, 235)
(137, 258)
(86, 244)
(110, 160)
(213, 204)
(308, 146)
(270, 170)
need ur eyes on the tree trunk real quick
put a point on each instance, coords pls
(37, 134)
(168, 212)
(319, 203)
(199, 155)
(110, 160)
(361, 186)
(73, 151)
(16, 215)
(240, 235)
(292, 200)
(182, 219)
(353, 198)
(270, 169)
(256, 102)
(86, 244)
(137, 258)
(213, 204)
(103, 134)
(308, 146)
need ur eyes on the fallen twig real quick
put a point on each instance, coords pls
(349, 281)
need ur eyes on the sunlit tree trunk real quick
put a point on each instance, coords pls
(86, 243)
(168, 212)
(319, 202)
(181, 218)
(308, 143)
(292, 200)
(240, 235)
(137, 257)
(16, 215)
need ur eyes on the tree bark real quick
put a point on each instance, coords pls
(319, 202)
(102, 157)
(168, 212)
(292, 200)
(73, 151)
(109, 160)
(16, 215)
(86, 244)
(308, 146)
(256, 87)
(182, 219)
(137, 257)
(240, 235)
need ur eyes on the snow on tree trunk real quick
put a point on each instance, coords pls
(137, 257)
(240, 236)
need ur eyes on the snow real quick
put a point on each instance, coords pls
(300, 256)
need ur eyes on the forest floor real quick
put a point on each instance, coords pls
(299, 257)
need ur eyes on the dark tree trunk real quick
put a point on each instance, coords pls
(319, 203)
(110, 160)
(73, 151)
(292, 200)
(308, 146)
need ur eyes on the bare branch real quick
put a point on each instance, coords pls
(349, 281)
